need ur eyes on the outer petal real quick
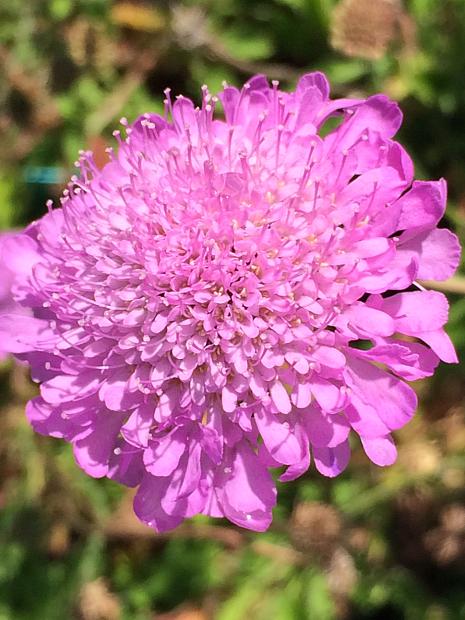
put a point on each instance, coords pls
(162, 455)
(136, 429)
(314, 80)
(381, 450)
(125, 465)
(394, 401)
(94, 449)
(364, 418)
(325, 431)
(66, 388)
(247, 495)
(297, 469)
(437, 252)
(369, 321)
(281, 439)
(424, 205)
(326, 393)
(148, 504)
(20, 253)
(377, 113)
(409, 360)
(20, 334)
(417, 311)
(441, 344)
(332, 461)
(47, 420)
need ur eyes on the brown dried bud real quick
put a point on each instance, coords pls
(453, 518)
(445, 548)
(96, 602)
(58, 539)
(89, 43)
(189, 25)
(315, 528)
(341, 579)
(364, 28)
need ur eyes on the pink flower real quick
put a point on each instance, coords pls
(200, 304)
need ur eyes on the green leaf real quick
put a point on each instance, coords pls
(60, 9)
(6, 201)
(317, 599)
(247, 45)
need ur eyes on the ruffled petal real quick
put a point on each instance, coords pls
(437, 252)
(247, 494)
(282, 439)
(148, 504)
(394, 401)
(332, 461)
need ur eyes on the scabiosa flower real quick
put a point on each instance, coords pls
(228, 296)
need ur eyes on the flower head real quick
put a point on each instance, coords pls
(228, 296)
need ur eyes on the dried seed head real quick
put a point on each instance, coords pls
(315, 528)
(364, 28)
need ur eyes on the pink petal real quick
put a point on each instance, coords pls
(114, 389)
(93, 451)
(280, 397)
(368, 321)
(409, 360)
(65, 388)
(314, 80)
(301, 395)
(147, 504)
(228, 399)
(394, 401)
(20, 334)
(284, 442)
(441, 344)
(417, 311)
(125, 465)
(329, 356)
(364, 418)
(438, 253)
(332, 461)
(136, 430)
(325, 430)
(297, 469)
(326, 394)
(423, 205)
(381, 450)
(162, 455)
(248, 494)
(20, 253)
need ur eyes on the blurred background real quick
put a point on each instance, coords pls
(372, 544)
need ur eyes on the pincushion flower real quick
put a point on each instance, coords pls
(231, 295)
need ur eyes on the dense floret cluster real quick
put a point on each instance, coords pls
(232, 294)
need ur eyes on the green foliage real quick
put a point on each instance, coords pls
(81, 66)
